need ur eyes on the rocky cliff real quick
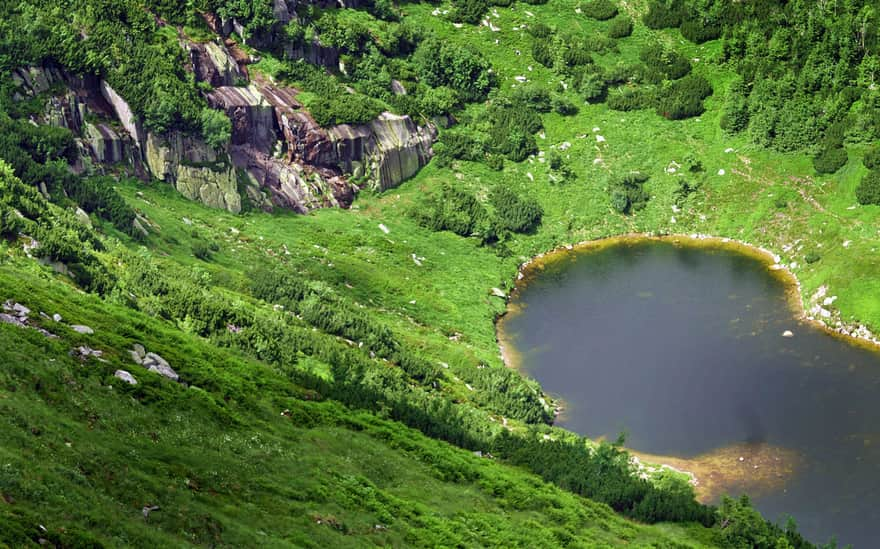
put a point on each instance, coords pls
(284, 157)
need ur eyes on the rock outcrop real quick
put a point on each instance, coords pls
(287, 159)
(195, 169)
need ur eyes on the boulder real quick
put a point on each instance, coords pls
(82, 217)
(81, 329)
(125, 376)
(139, 350)
(156, 363)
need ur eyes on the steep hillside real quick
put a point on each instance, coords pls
(338, 371)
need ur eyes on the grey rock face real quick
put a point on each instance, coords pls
(196, 170)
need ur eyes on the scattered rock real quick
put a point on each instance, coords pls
(787, 333)
(57, 318)
(83, 217)
(498, 292)
(156, 363)
(82, 329)
(721, 172)
(139, 350)
(149, 509)
(84, 352)
(126, 377)
(383, 228)
(600, 139)
(187, 221)
(12, 319)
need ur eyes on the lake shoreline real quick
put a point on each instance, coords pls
(853, 333)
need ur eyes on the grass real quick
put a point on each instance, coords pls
(239, 457)
(220, 458)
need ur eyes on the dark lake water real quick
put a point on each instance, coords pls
(682, 348)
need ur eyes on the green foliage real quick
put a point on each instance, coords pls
(469, 11)
(439, 100)
(871, 160)
(629, 99)
(700, 30)
(663, 14)
(542, 54)
(603, 474)
(533, 97)
(601, 10)
(513, 212)
(683, 98)
(345, 108)
(663, 63)
(620, 27)
(868, 189)
(455, 210)
(592, 88)
(829, 160)
(462, 69)
(735, 117)
(540, 30)
(563, 106)
(216, 128)
(512, 130)
(628, 193)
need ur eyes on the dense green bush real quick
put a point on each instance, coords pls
(592, 88)
(438, 101)
(663, 63)
(628, 193)
(464, 70)
(534, 96)
(699, 30)
(469, 11)
(455, 210)
(512, 129)
(345, 108)
(621, 27)
(868, 189)
(629, 99)
(540, 30)
(663, 14)
(829, 160)
(601, 10)
(541, 53)
(216, 127)
(683, 98)
(871, 160)
(563, 106)
(513, 212)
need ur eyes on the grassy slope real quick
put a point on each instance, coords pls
(280, 478)
(820, 213)
(81, 451)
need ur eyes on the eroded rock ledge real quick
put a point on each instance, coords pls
(278, 155)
